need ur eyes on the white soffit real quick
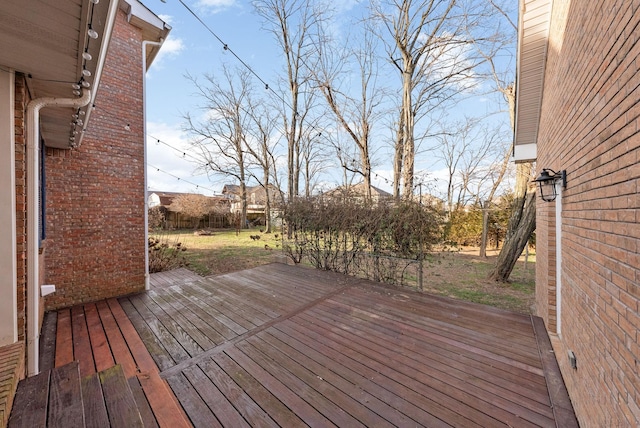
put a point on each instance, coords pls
(533, 40)
(45, 40)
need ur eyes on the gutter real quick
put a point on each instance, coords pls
(145, 43)
(33, 230)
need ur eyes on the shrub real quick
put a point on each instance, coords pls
(165, 255)
(156, 218)
(337, 234)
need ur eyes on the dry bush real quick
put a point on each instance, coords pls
(165, 254)
(336, 235)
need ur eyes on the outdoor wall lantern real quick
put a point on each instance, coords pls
(547, 183)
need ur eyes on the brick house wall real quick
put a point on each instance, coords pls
(21, 101)
(589, 126)
(95, 193)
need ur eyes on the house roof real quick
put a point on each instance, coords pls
(533, 40)
(234, 190)
(359, 189)
(166, 198)
(46, 40)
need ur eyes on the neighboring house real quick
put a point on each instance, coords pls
(256, 200)
(578, 110)
(72, 161)
(173, 219)
(357, 192)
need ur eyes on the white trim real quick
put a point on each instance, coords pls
(525, 152)
(145, 43)
(558, 185)
(8, 259)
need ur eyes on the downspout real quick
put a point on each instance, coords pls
(33, 230)
(145, 43)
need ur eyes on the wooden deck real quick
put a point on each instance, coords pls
(287, 346)
(97, 337)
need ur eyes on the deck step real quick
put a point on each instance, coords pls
(60, 398)
(121, 404)
(11, 371)
(65, 397)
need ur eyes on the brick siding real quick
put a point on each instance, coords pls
(95, 193)
(589, 126)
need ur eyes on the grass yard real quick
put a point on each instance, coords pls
(457, 274)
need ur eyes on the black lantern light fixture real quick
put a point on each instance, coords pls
(547, 183)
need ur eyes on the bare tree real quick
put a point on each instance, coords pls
(292, 22)
(193, 206)
(313, 158)
(262, 148)
(218, 137)
(355, 112)
(452, 147)
(426, 43)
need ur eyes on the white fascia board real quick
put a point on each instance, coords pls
(525, 152)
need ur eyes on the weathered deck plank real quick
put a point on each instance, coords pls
(121, 406)
(101, 350)
(65, 397)
(30, 403)
(81, 343)
(64, 339)
(95, 411)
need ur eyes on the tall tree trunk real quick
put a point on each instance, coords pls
(516, 242)
(397, 158)
(243, 197)
(409, 143)
(267, 202)
(522, 223)
(485, 229)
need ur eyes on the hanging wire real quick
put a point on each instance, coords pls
(198, 186)
(226, 47)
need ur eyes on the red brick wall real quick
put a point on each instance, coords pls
(21, 101)
(95, 193)
(589, 126)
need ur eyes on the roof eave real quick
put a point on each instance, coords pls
(533, 40)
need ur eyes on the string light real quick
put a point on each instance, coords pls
(198, 186)
(226, 47)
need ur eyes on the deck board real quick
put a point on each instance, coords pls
(65, 397)
(81, 343)
(64, 339)
(283, 345)
(101, 350)
(120, 403)
(95, 411)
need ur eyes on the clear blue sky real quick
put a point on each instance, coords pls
(192, 49)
